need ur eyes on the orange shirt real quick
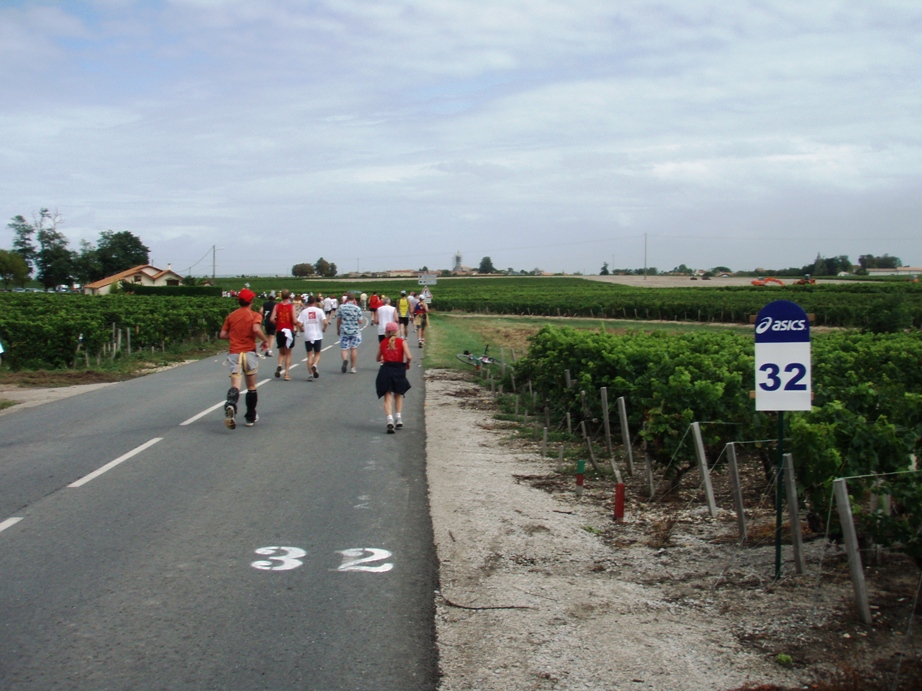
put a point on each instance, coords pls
(239, 328)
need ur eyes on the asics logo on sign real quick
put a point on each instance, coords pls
(769, 324)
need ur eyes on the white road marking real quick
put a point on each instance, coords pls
(212, 408)
(9, 523)
(109, 466)
(288, 560)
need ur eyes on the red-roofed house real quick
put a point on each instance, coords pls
(145, 275)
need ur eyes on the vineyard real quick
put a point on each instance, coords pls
(873, 306)
(866, 421)
(54, 331)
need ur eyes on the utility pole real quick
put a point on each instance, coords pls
(645, 256)
(213, 262)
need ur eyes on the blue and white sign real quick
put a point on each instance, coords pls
(783, 376)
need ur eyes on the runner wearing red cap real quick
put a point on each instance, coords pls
(242, 327)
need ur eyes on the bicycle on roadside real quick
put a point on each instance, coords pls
(477, 362)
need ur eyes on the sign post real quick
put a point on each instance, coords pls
(783, 380)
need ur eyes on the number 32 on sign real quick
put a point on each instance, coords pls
(783, 358)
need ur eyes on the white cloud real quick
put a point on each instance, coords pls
(496, 128)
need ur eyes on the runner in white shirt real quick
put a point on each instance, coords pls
(385, 314)
(313, 323)
(412, 299)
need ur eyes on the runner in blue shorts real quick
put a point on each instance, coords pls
(349, 321)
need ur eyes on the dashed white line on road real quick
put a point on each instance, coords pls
(9, 523)
(212, 408)
(111, 464)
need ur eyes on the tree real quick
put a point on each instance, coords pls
(302, 270)
(86, 263)
(869, 261)
(119, 251)
(332, 270)
(604, 271)
(322, 267)
(22, 240)
(486, 266)
(13, 269)
(54, 261)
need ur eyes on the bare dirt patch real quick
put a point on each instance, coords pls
(542, 590)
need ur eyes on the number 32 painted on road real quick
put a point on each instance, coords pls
(288, 558)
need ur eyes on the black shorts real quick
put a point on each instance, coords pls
(280, 340)
(392, 378)
(403, 320)
(270, 329)
(313, 345)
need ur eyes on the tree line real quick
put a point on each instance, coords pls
(821, 266)
(321, 268)
(41, 249)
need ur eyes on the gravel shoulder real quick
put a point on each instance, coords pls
(541, 590)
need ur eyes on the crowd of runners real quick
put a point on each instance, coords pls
(281, 317)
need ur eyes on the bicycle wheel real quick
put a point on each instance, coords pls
(467, 359)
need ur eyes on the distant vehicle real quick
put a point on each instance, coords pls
(766, 281)
(805, 281)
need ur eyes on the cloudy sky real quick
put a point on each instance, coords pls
(552, 134)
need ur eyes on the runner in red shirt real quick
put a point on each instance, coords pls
(283, 316)
(391, 383)
(242, 327)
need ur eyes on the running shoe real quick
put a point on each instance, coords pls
(353, 370)
(278, 371)
(230, 416)
(315, 371)
(390, 427)
(399, 424)
(250, 423)
(345, 366)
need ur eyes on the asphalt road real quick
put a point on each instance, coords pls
(296, 554)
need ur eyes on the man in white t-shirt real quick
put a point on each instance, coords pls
(385, 314)
(328, 305)
(313, 323)
(412, 299)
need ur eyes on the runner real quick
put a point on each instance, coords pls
(412, 300)
(403, 314)
(313, 323)
(384, 315)
(284, 320)
(421, 320)
(328, 306)
(349, 329)
(266, 312)
(374, 302)
(391, 382)
(242, 328)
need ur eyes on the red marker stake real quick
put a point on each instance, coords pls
(619, 503)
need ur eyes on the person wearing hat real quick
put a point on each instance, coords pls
(391, 382)
(403, 314)
(241, 328)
